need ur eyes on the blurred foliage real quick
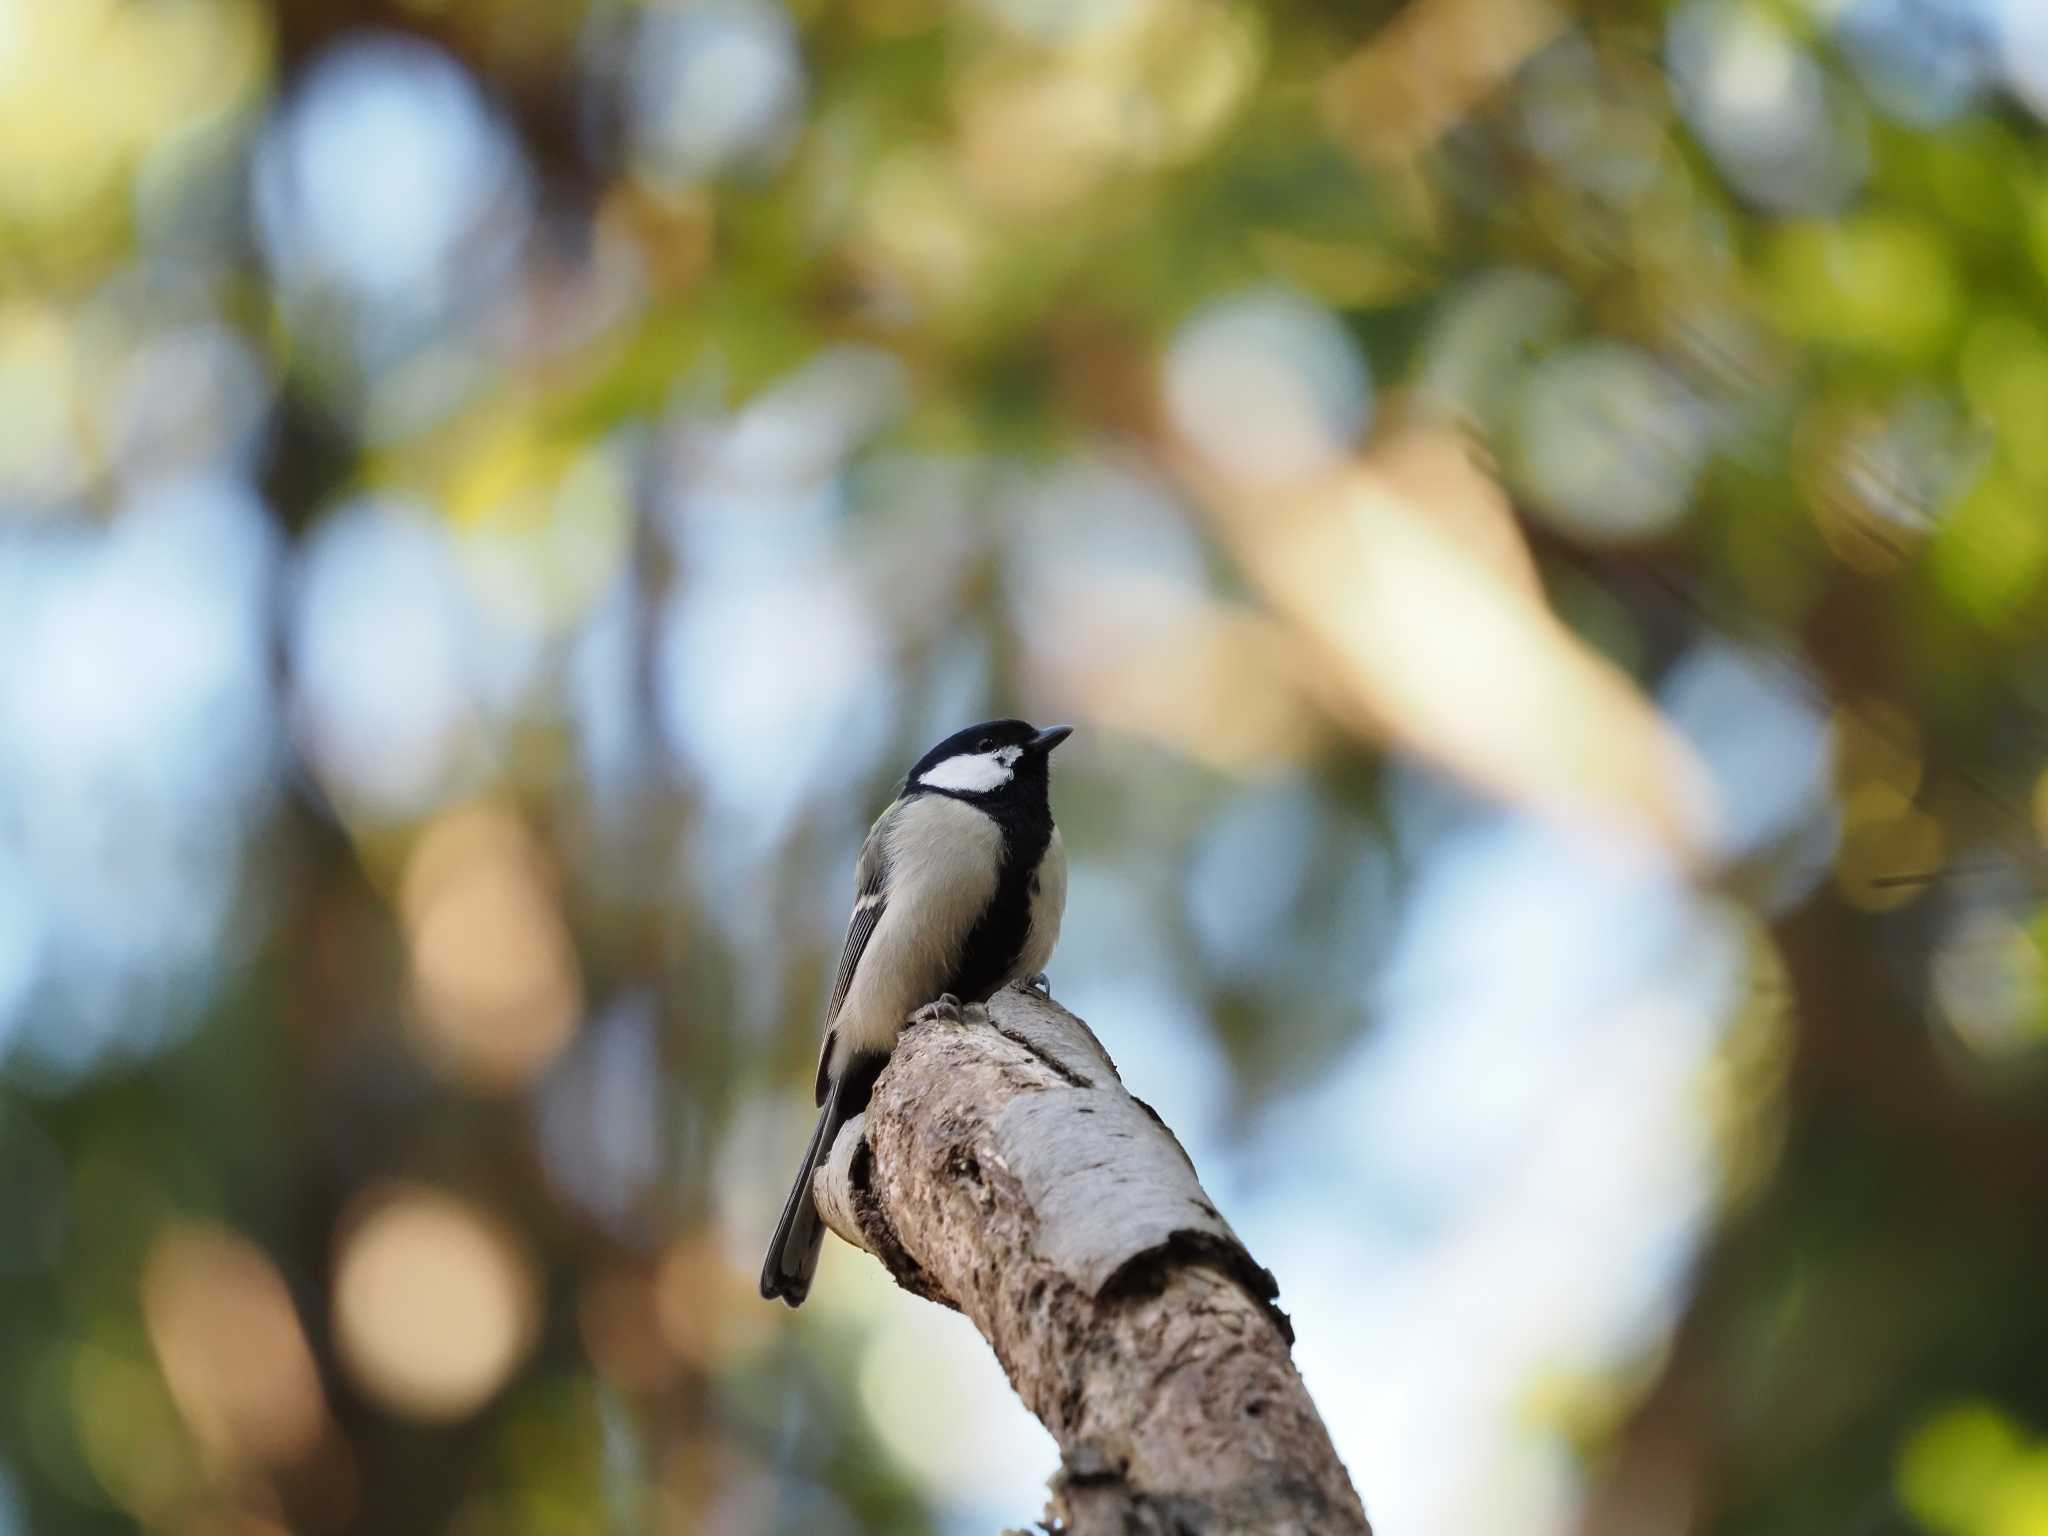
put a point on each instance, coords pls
(494, 491)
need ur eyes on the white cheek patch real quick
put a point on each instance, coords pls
(973, 773)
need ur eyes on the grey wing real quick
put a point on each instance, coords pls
(870, 873)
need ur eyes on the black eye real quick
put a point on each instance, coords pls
(985, 744)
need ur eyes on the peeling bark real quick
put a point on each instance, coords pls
(1001, 1169)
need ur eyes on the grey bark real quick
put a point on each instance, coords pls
(1002, 1169)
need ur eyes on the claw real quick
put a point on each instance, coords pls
(1041, 984)
(943, 1009)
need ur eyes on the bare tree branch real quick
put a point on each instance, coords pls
(1002, 1169)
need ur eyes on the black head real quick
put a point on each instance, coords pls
(998, 759)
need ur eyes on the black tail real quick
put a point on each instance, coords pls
(793, 1251)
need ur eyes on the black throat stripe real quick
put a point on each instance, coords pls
(989, 957)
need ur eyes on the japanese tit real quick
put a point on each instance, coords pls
(962, 881)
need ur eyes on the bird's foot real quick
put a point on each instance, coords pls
(1040, 983)
(943, 1009)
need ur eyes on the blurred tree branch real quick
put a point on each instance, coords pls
(1003, 1170)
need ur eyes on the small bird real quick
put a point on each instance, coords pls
(962, 882)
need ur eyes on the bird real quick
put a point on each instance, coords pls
(961, 885)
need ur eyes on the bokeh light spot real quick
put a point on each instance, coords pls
(1991, 550)
(712, 87)
(708, 1311)
(381, 174)
(229, 1342)
(435, 1302)
(1763, 108)
(137, 762)
(770, 689)
(1879, 285)
(385, 645)
(89, 88)
(1152, 88)
(1610, 443)
(497, 991)
(1268, 387)
(1988, 974)
(1760, 736)
(1951, 1466)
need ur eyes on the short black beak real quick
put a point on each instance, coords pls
(1050, 737)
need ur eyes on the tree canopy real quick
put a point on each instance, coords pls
(1539, 509)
